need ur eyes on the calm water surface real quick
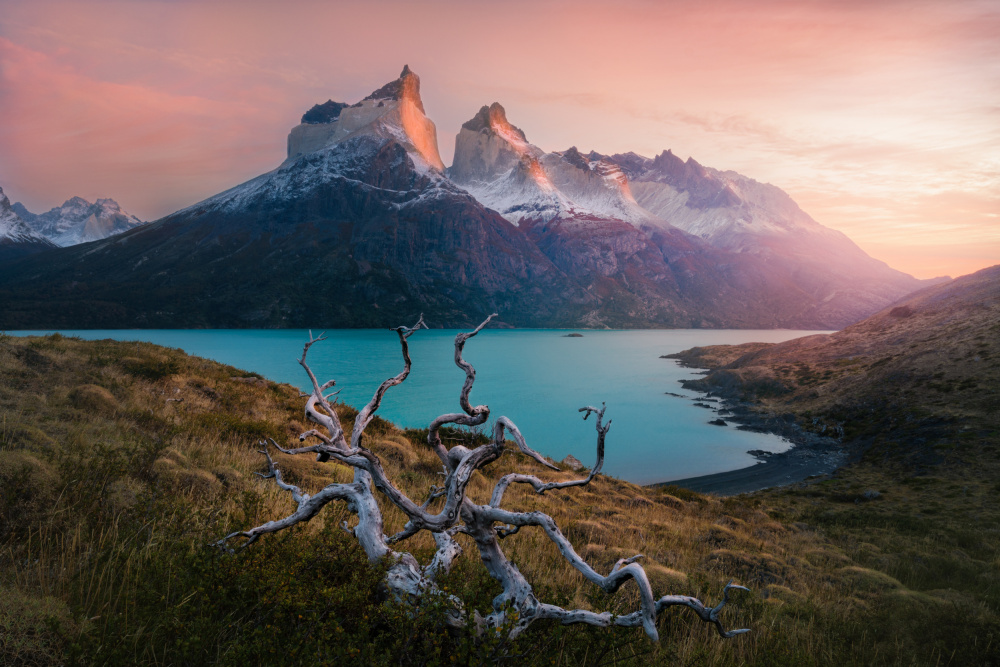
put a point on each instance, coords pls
(537, 378)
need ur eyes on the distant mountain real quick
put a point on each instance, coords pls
(79, 221)
(732, 212)
(752, 257)
(17, 238)
(361, 225)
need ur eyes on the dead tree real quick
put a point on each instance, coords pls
(487, 525)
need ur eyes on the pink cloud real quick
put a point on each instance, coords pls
(66, 134)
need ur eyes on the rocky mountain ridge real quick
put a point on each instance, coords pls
(495, 162)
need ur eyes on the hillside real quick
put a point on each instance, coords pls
(921, 377)
(120, 462)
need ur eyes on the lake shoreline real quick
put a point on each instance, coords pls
(797, 464)
(539, 379)
(811, 455)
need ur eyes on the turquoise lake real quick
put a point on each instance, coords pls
(537, 378)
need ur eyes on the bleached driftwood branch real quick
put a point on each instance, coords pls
(516, 607)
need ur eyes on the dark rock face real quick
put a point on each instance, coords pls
(631, 163)
(575, 158)
(327, 112)
(22, 212)
(408, 83)
(490, 116)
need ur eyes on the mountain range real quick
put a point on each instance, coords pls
(79, 221)
(362, 225)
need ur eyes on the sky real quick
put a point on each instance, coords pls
(880, 118)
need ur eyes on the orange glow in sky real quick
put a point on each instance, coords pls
(881, 119)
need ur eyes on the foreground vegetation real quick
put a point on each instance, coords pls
(121, 462)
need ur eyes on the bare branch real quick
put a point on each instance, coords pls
(365, 415)
(637, 618)
(540, 486)
(327, 419)
(470, 372)
(274, 472)
(473, 416)
(709, 615)
(515, 433)
(517, 591)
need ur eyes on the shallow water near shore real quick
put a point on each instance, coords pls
(539, 378)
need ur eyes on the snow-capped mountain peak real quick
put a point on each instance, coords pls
(394, 111)
(79, 221)
(16, 237)
(495, 162)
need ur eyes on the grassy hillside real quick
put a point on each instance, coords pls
(120, 462)
(918, 381)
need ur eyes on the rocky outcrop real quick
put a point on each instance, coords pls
(488, 147)
(911, 385)
(327, 112)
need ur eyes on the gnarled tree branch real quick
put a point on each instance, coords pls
(485, 524)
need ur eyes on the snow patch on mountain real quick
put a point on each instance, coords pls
(350, 160)
(725, 208)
